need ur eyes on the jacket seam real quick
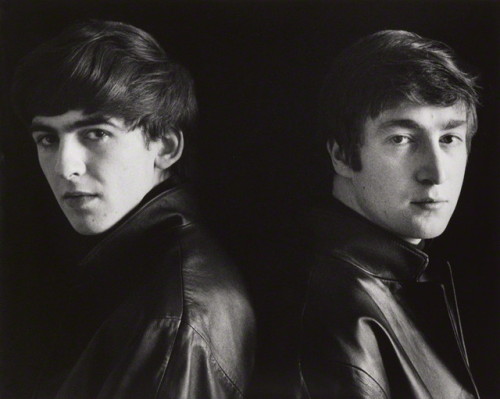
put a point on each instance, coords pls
(456, 327)
(183, 320)
(457, 311)
(212, 355)
(365, 373)
(179, 249)
(395, 343)
(312, 272)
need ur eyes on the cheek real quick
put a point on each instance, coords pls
(383, 186)
(457, 170)
(127, 176)
(457, 180)
(47, 165)
(379, 177)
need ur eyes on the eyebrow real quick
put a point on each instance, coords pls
(452, 124)
(404, 123)
(412, 125)
(90, 120)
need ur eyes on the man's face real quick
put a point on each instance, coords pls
(97, 168)
(413, 163)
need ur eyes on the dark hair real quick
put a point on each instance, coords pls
(379, 72)
(110, 68)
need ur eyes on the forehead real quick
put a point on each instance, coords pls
(72, 120)
(424, 116)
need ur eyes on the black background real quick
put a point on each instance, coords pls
(258, 67)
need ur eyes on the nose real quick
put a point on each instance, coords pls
(70, 161)
(431, 168)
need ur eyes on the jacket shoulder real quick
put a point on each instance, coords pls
(338, 286)
(194, 370)
(215, 304)
(343, 309)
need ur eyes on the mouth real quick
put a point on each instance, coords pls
(77, 199)
(78, 194)
(429, 203)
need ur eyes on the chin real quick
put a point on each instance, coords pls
(428, 233)
(88, 229)
(85, 231)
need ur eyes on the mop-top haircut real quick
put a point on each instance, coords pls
(109, 68)
(380, 72)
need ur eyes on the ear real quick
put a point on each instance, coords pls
(170, 149)
(337, 157)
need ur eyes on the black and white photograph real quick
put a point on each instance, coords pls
(282, 199)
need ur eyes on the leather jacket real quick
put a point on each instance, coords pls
(156, 310)
(379, 321)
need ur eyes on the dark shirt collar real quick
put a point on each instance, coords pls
(340, 231)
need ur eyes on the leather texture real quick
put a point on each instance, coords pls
(379, 321)
(157, 310)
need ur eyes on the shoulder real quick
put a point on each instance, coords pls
(337, 286)
(216, 306)
(197, 281)
(188, 264)
(345, 307)
(342, 324)
(197, 368)
(198, 289)
(211, 281)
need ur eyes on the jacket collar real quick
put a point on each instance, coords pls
(163, 210)
(342, 232)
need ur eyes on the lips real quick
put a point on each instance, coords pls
(429, 203)
(73, 194)
(78, 199)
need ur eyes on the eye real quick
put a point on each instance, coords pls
(45, 140)
(451, 139)
(400, 139)
(96, 134)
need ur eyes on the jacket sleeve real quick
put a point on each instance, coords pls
(331, 362)
(167, 359)
(337, 381)
(195, 372)
(339, 348)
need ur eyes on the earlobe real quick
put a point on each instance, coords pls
(170, 149)
(337, 157)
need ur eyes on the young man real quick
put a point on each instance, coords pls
(156, 309)
(380, 319)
